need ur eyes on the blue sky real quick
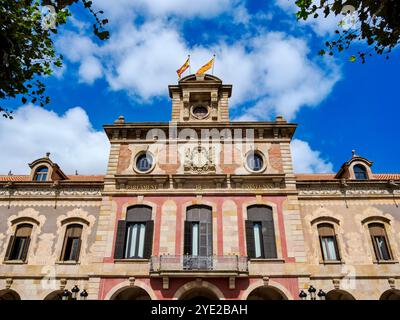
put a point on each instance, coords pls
(270, 59)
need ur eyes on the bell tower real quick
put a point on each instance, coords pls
(200, 98)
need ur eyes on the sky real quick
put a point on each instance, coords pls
(269, 57)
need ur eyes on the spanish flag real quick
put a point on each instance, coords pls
(206, 67)
(184, 67)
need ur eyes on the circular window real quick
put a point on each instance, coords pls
(200, 112)
(254, 161)
(144, 162)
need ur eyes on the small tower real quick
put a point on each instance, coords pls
(200, 98)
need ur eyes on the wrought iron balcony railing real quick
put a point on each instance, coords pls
(168, 263)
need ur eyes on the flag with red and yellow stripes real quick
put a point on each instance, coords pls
(184, 67)
(206, 67)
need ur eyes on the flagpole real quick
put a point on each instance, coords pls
(190, 67)
(213, 65)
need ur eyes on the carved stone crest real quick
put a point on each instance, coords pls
(199, 160)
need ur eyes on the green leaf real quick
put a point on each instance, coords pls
(352, 59)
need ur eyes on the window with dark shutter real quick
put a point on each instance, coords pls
(380, 241)
(72, 243)
(134, 238)
(251, 253)
(120, 240)
(148, 242)
(260, 233)
(19, 244)
(187, 247)
(328, 242)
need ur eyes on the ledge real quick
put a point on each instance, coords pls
(14, 262)
(385, 261)
(69, 263)
(332, 262)
(254, 260)
(131, 261)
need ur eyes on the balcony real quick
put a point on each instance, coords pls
(198, 265)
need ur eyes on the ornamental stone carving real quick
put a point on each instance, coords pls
(199, 160)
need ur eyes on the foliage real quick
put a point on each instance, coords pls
(377, 22)
(27, 50)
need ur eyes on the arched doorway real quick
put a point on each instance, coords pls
(131, 293)
(8, 294)
(199, 294)
(338, 294)
(392, 294)
(266, 293)
(57, 295)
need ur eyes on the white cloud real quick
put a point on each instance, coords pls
(322, 26)
(306, 160)
(126, 9)
(78, 48)
(70, 138)
(272, 69)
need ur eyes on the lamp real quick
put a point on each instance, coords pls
(74, 291)
(321, 294)
(65, 295)
(312, 291)
(84, 294)
(302, 295)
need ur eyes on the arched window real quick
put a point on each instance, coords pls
(360, 172)
(135, 234)
(41, 174)
(19, 243)
(328, 242)
(380, 241)
(72, 243)
(260, 233)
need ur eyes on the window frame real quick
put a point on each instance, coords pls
(333, 237)
(378, 258)
(24, 250)
(65, 242)
(147, 154)
(261, 156)
(42, 174)
(359, 169)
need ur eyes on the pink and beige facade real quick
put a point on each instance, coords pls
(200, 207)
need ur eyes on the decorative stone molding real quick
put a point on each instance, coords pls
(131, 281)
(373, 214)
(165, 281)
(81, 217)
(392, 283)
(350, 190)
(9, 282)
(50, 192)
(199, 160)
(63, 283)
(336, 283)
(232, 283)
(266, 281)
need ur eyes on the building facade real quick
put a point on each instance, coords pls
(200, 207)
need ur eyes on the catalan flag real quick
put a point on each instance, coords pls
(206, 67)
(184, 67)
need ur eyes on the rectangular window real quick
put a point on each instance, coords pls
(258, 240)
(135, 240)
(329, 251)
